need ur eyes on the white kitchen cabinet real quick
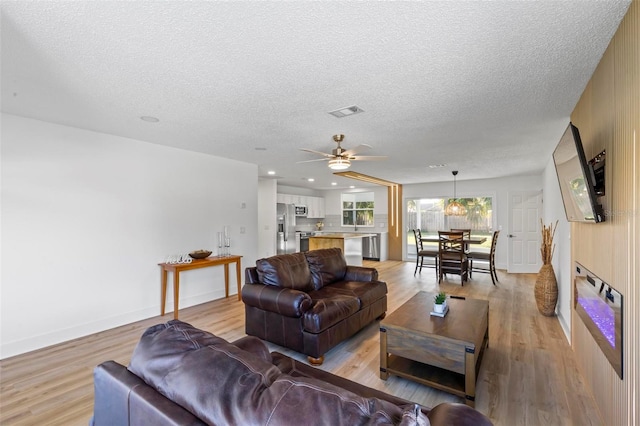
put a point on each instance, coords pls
(315, 205)
(311, 207)
(284, 198)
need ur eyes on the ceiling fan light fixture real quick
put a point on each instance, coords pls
(339, 164)
(454, 208)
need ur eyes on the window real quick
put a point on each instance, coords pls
(427, 214)
(357, 209)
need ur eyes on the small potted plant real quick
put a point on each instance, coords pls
(440, 303)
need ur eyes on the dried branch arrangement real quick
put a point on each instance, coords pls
(547, 247)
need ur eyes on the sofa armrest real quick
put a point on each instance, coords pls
(255, 346)
(112, 386)
(360, 273)
(124, 399)
(283, 301)
(450, 413)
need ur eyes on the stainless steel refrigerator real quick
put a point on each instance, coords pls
(286, 216)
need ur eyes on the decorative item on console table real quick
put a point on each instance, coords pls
(220, 238)
(546, 288)
(200, 254)
(227, 242)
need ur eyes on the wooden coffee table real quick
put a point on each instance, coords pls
(444, 353)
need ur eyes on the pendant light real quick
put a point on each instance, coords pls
(454, 208)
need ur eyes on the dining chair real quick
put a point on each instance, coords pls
(421, 253)
(466, 234)
(487, 260)
(451, 256)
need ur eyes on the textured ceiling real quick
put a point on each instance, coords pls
(484, 87)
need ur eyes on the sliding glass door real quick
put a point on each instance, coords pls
(427, 214)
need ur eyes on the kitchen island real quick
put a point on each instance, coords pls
(349, 242)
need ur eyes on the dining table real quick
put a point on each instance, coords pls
(471, 240)
(466, 241)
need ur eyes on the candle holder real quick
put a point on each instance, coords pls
(227, 246)
(220, 244)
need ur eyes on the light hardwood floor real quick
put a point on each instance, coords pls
(528, 375)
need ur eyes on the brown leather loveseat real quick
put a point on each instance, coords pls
(181, 376)
(311, 301)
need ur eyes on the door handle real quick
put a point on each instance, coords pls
(510, 236)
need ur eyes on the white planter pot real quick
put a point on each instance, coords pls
(440, 308)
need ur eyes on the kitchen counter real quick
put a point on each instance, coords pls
(338, 235)
(349, 242)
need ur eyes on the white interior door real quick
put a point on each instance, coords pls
(524, 231)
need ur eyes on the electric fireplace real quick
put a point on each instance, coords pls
(600, 307)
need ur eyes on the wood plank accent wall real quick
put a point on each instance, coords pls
(394, 209)
(608, 117)
(394, 199)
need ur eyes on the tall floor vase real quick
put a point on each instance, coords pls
(546, 291)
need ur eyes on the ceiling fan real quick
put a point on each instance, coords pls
(340, 158)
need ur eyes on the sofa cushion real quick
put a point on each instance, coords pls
(329, 311)
(366, 292)
(285, 270)
(326, 265)
(296, 368)
(223, 384)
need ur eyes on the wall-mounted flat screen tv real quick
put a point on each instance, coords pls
(576, 179)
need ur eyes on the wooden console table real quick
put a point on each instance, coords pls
(176, 268)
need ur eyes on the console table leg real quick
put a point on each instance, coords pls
(176, 293)
(238, 278)
(226, 280)
(163, 287)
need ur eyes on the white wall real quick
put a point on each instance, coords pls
(267, 201)
(497, 188)
(333, 200)
(553, 210)
(86, 218)
(294, 190)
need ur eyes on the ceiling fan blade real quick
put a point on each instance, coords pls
(311, 161)
(355, 150)
(324, 154)
(368, 157)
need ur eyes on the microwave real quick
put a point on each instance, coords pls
(301, 210)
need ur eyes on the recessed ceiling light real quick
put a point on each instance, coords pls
(311, 180)
(352, 187)
(334, 183)
(271, 172)
(344, 112)
(260, 148)
(149, 119)
(437, 166)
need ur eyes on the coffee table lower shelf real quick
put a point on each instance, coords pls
(437, 378)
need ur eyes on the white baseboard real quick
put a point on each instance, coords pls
(565, 327)
(32, 343)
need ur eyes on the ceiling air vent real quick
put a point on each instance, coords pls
(344, 112)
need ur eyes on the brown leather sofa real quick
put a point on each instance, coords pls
(311, 301)
(180, 375)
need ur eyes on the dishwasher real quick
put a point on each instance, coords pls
(304, 241)
(371, 247)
